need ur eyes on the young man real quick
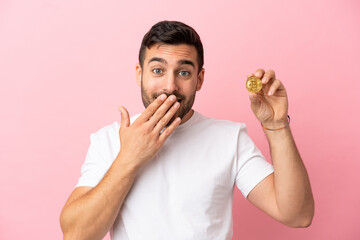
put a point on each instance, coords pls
(169, 172)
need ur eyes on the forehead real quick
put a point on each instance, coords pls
(171, 52)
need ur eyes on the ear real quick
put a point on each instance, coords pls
(200, 79)
(138, 71)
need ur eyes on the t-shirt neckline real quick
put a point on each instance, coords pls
(189, 122)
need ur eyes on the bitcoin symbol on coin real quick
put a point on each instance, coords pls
(253, 84)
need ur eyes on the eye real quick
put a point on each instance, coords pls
(157, 71)
(184, 73)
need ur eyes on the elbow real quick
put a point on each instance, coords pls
(306, 223)
(64, 224)
(73, 228)
(302, 220)
(300, 223)
(65, 221)
(66, 227)
(71, 234)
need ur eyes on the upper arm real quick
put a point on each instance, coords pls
(263, 197)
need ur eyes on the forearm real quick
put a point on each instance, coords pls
(91, 215)
(291, 182)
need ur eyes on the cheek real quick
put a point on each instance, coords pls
(153, 89)
(150, 84)
(188, 87)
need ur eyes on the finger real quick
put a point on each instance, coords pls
(125, 119)
(167, 132)
(151, 109)
(250, 75)
(162, 110)
(259, 73)
(167, 117)
(274, 86)
(269, 75)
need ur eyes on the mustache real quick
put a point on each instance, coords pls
(178, 96)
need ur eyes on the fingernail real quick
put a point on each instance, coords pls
(172, 98)
(176, 105)
(264, 79)
(270, 93)
(162, 97)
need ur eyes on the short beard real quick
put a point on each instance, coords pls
(185, 104)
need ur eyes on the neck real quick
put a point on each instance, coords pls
(187, 116)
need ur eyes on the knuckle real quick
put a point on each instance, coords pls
(144, 131)
(151, 108)
(166, 131)
(163, 136)
(154, 105)
(163, 121)
(155, 115)
(154, 135)
(271, 72)
(166, 104)
(158, 102)
(162, 110)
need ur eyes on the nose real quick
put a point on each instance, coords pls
(169, 84)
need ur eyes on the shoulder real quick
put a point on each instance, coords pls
(106, 132)
(109, 132)
(106, 140)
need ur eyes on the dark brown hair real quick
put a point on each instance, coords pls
(172, 32)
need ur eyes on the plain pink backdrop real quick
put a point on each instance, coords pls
(65, 66)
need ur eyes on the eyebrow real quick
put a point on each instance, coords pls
(186, 62)
(180, 62)
(157, 59)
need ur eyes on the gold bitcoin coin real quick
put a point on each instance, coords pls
(253, 84)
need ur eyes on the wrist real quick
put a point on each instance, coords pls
(276, 125)
(127, 163)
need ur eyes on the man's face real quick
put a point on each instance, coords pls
(173, 70)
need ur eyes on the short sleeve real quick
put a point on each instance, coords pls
(103, 149)
(252, 167)
(95, 166)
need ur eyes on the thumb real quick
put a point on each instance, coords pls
(125, 119)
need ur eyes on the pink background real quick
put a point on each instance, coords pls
(65, 66)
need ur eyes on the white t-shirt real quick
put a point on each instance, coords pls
(186, 191)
